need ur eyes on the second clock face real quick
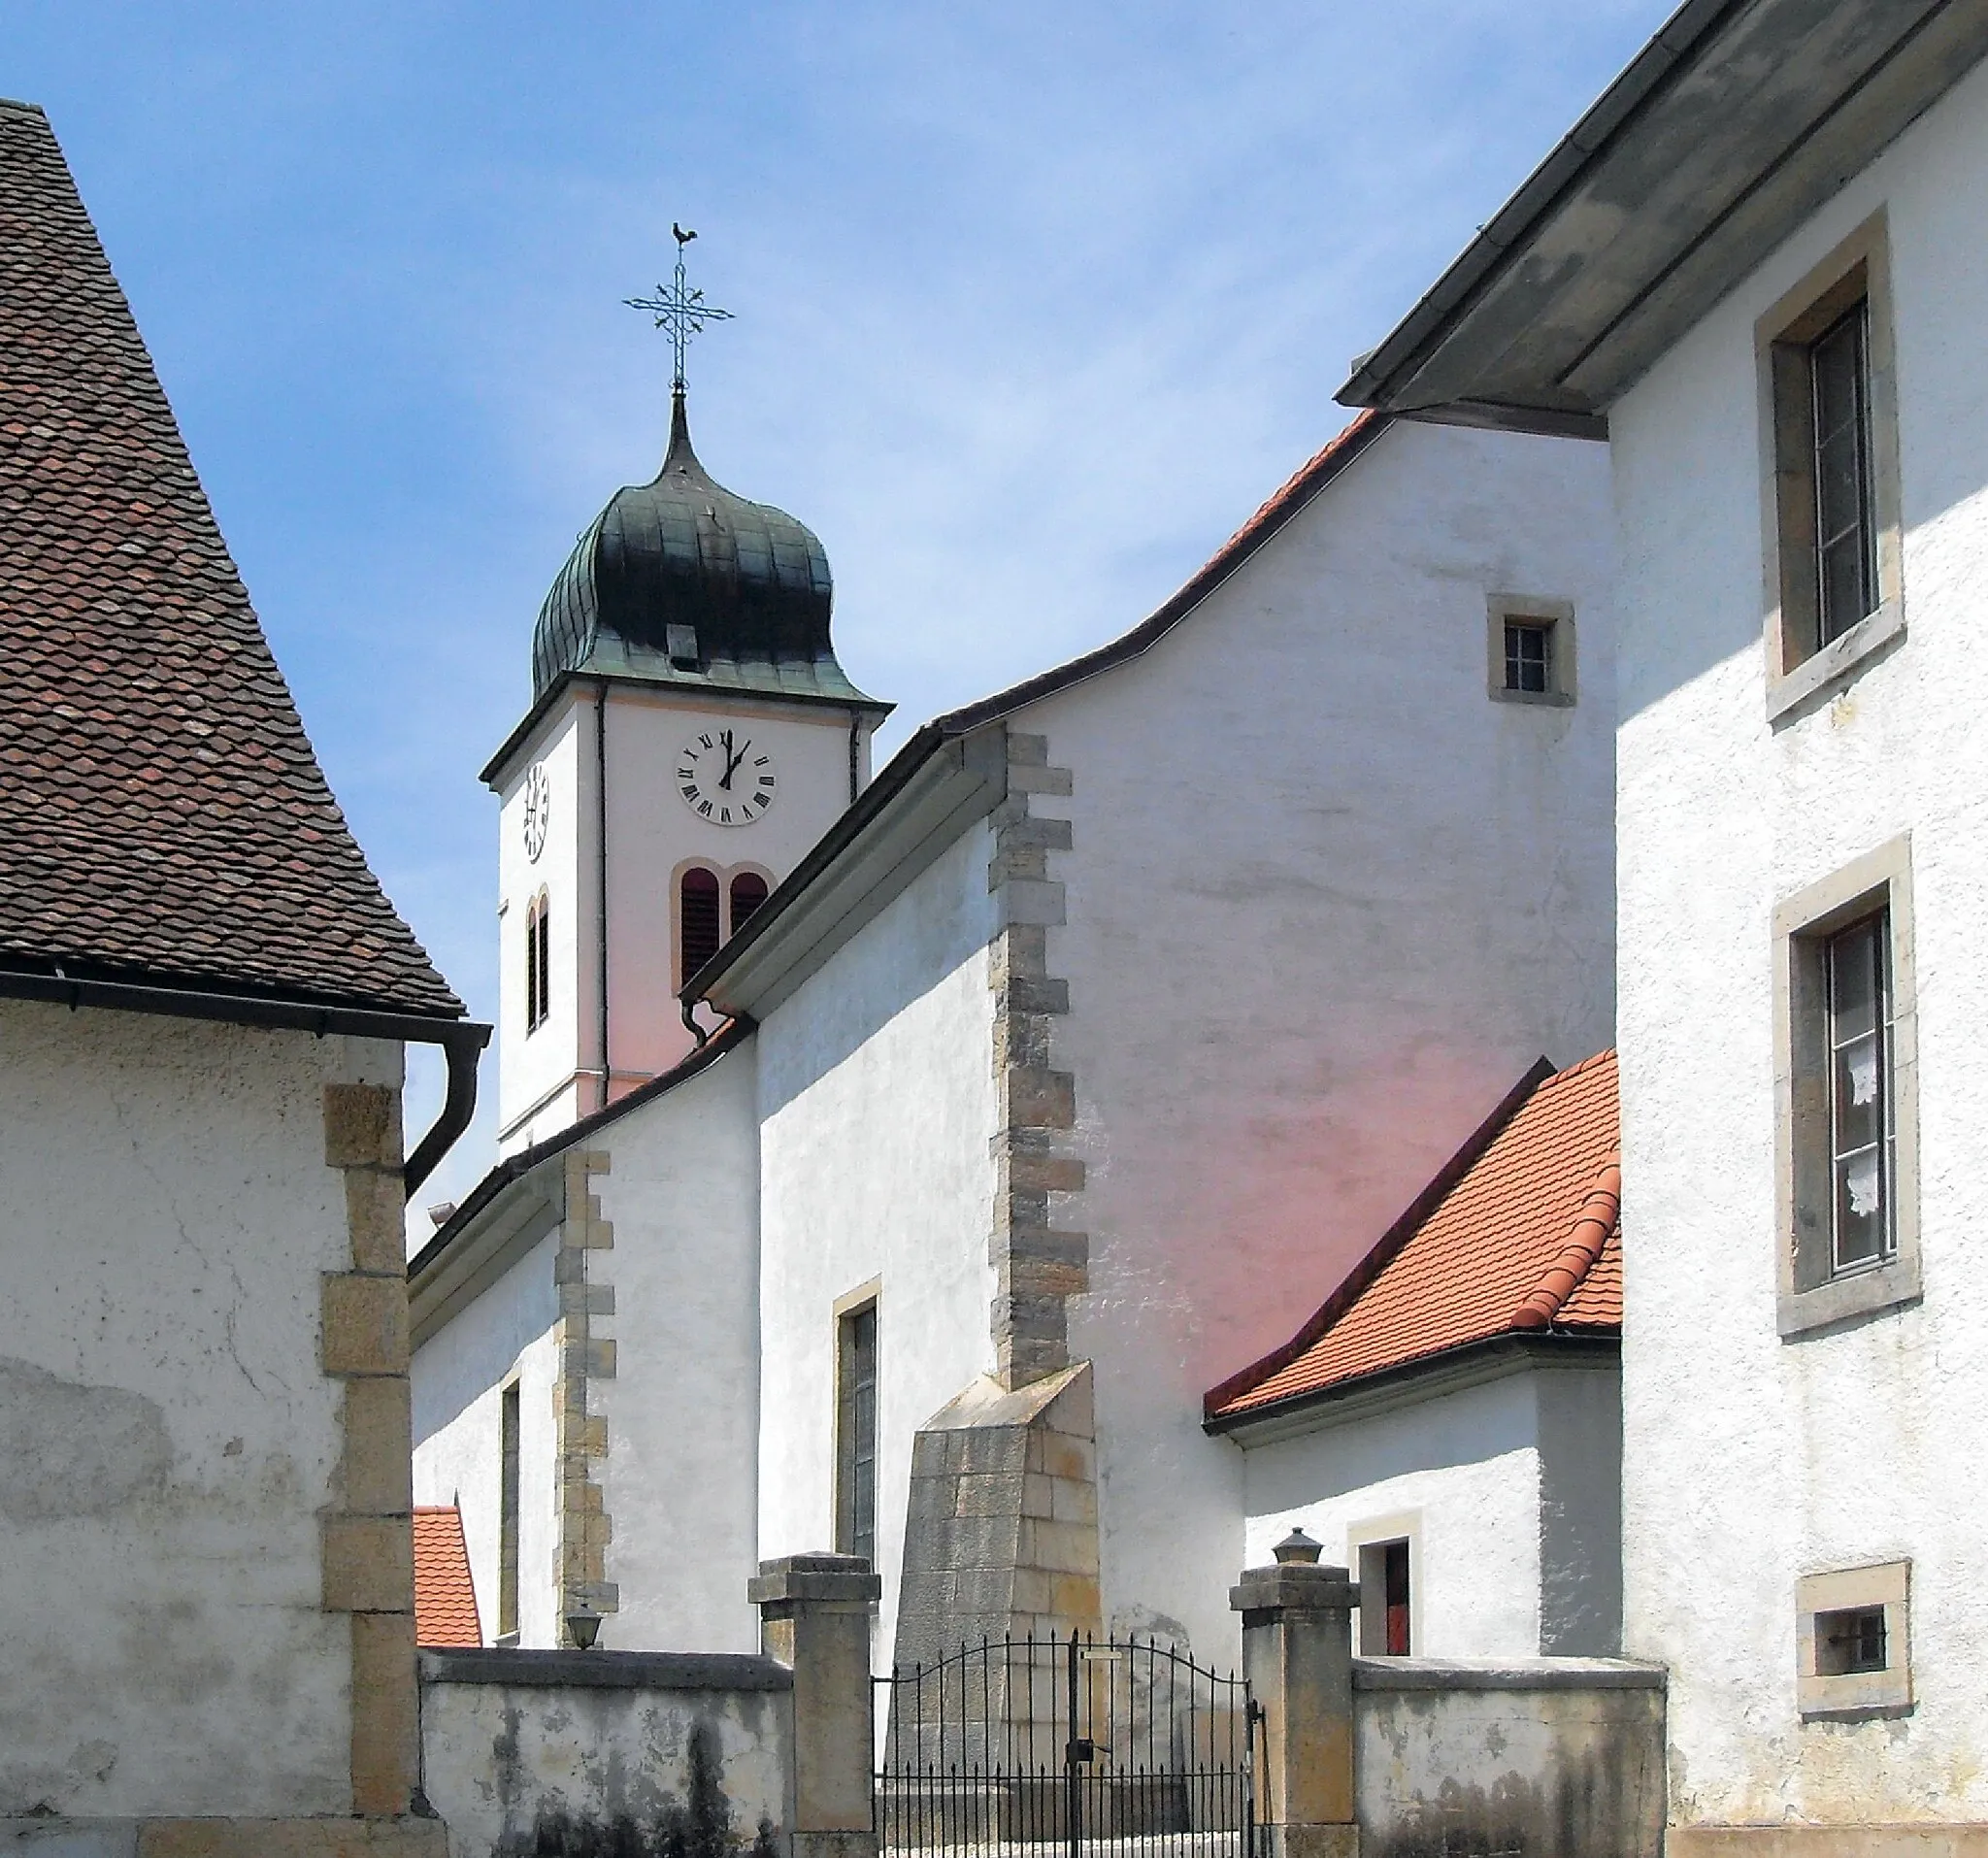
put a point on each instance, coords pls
(726, 777)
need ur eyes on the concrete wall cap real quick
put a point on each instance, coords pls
(1295, 1587)
(1503, 1674)
(823, 1577)
(535, 1669)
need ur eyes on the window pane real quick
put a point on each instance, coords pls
(1846, 527)
(1858, 1093)
(1526, 656)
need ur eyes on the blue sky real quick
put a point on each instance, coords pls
(1035, 304)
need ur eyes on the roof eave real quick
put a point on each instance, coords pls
(1431, 1376)
(1846, 119)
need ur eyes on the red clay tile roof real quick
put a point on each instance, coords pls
(162, 814)
(1524, 1238)
(444, 1596)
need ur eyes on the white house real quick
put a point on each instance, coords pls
(1448, 1422)
(1115, 1005)
(205, 1591)
(1760, 259)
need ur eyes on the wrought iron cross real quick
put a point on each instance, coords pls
(679, 309)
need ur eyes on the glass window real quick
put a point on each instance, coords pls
(1529, 655)
(1861, 1136)
(1846, 527)
(856, 1433)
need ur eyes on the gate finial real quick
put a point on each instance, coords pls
(1298, 1547)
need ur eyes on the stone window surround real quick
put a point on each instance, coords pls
(1561, 687)
(724, 874)
(1880, 878)
(1860, 1693)
(1370, 1616)
(1859, 266)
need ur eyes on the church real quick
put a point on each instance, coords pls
(895, 1163)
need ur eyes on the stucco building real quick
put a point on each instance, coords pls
(1113, 1006)
(1758, 261)
(206, 1598)
(1447, 1423)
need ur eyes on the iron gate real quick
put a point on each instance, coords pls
(1079, 1742)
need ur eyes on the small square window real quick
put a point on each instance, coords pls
(1530, 650)
(1849, 1642)
(1852, 1641)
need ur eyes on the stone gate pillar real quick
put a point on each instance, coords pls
(814, 1618)
(1298, 1655)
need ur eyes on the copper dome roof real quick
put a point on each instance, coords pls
(679, 580)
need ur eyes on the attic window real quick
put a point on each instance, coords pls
(1531, 653)
(680, 644)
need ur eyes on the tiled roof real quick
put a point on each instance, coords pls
(444, 1596)
(1524, 1239)
(163, 815)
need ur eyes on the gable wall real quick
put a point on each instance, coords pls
(1326, 902)
(1749, 1460)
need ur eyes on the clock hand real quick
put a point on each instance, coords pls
(732, 761)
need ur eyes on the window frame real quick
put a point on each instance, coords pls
(1367, 1545)
(1813, 1290)
(538, 962)
(860, 1303)
(509, 1507)
(1823, 1695)
(1556, 618)
(1800, 662)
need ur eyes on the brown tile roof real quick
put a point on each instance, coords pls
(163, 815)
(444, 1596)
(1521, 1237)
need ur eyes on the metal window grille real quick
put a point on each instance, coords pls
(1850, 1641)
(856, 1434)
(1529, 655)
(1862, 1132)
(1845, 520)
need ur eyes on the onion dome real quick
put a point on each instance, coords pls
(682, 582)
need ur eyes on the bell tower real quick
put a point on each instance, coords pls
(691, 735)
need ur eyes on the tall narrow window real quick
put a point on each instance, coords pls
(506, 1518)
(538, 963)
(1845, 522)
(1861, 1136)
(1386, 1615)
(855, 1433)
(748, 892)
(698, 903)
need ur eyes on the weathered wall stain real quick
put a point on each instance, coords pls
(69, 1449)
(699, 1825)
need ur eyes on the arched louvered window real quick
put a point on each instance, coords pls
(698, 920)
(748, 892)
(538, 962)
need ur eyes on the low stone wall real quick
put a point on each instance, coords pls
(1546, 1758)
(584, 1754)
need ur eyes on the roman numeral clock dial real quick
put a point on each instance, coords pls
(725, 777)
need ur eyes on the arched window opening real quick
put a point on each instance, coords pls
(538, 962)
(698, 926)
(748, 892)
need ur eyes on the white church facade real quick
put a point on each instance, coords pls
(1058, 1073)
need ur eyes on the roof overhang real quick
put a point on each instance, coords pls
(489, 1241)
(1409, 1383)
(1735, 123)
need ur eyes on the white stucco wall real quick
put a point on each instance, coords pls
(1460, 1475)
(877, 1099)
(681, 1474)
(1327, 902)
(167, 1442)
(459, 1373)
(1750, 1461)
(650, 835)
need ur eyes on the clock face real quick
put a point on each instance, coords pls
(537, 809)
(726, 777)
